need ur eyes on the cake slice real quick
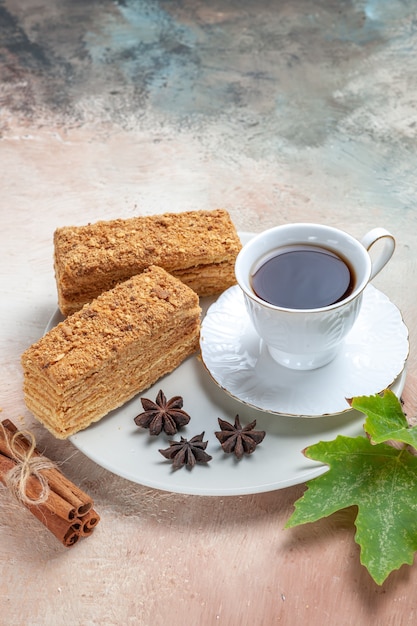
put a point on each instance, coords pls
(199, 247)
(114, 347)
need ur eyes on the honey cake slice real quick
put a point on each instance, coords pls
(199, 247)
(116, 346)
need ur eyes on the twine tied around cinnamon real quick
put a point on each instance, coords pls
(27, 464)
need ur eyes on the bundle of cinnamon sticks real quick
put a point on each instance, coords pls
(66, 511)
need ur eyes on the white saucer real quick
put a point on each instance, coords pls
(372, 357)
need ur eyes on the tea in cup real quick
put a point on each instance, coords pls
(303, 286)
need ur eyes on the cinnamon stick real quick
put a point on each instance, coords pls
(54, 503)
(89, 522)
(52, 513)
(66, 511)
(57, 481)
(68, 533)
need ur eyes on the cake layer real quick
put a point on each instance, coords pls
(199, 247)
(116, 346)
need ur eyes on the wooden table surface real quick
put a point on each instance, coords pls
(277, 111)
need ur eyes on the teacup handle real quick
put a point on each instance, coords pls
(384, 255)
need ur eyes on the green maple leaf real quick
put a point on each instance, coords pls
(385, 418)
(380, 480)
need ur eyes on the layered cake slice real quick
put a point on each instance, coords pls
(114, 347)
(199, 247)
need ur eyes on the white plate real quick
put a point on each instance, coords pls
(373, 355)
(118, 445)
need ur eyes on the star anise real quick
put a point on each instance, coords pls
(162, 414)
(238, 439)
(186, 452)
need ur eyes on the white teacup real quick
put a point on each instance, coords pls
(307, 338)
